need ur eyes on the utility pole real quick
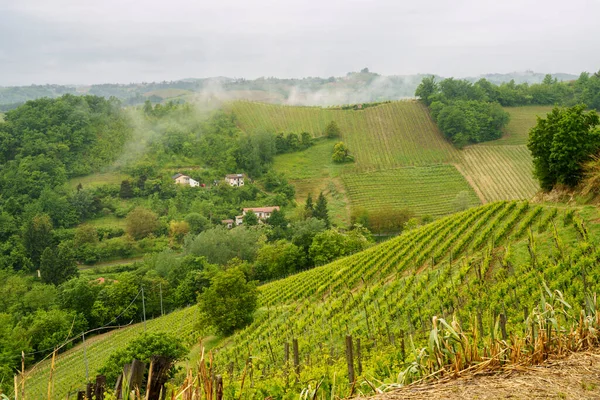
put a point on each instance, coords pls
(144, 308)
(162, 311)
(87, 376)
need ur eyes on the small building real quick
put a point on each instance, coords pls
(235, 179)
(228, 223)
(182, 179)
(263, 213)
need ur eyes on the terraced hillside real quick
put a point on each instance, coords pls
(472, 265)
(389, 137)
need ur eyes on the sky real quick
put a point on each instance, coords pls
(123, 41)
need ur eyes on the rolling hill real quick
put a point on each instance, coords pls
(394, 144)
(482, 262)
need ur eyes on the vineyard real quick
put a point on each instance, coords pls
(390, 135)
(476, 265)
(499, 172)
(428, 190)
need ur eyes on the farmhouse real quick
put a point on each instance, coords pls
(235, 179)
(228, 223)
(263, 213)
(181, 179)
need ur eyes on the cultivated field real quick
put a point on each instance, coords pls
(390, 135)
(478, 262)
(522, 119)
(425, 190)
(395, 135)
(499, 172)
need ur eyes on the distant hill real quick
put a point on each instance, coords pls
(354, 87)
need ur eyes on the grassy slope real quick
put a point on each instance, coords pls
(388, 289)
(502, 169)
(396, 135)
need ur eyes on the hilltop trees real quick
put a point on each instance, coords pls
(561, 143)
(464, 112)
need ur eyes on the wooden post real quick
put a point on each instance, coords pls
(100, 387)
(402, 349)
(136, 374)
(358, 356)
(219, 389)
(89, 390)
(350, 359)
(296, 358)
(158, 377)
(286, 352)
(503, 326)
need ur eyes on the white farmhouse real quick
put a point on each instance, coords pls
(235, 179)
(263, 213)
(181, 179)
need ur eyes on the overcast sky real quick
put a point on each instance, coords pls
(99, 41)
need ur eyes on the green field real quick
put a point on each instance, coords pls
(390, 135)
(522, 119)
(386, 296)
(387, 138)
(93, 180)
(427, 190)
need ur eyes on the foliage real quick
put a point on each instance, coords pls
(320, 211)
(561, 143)
(219, 245)
(277, 260)
(341, 154)
(143, 348)
(37, 237)
(230, 301)
(58, 265)
(141, 223)
(331, 244)
(250, 218)
(332, 130)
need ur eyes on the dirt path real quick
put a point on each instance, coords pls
(574, 377)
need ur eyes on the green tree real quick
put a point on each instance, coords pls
(332, 130)
(143, 348)
(309, 207)
(219, 245)
(561, 143)
(197, 222)
(277, 260)
(341, 154)
(250, 218)
(321, 211)
(141, 223)
(304, 232)
(426, 89)
(37, 237)
(85, 234)
(58, 265)
(126, 191)
(230, 301)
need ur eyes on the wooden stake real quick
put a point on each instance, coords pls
(350, 360)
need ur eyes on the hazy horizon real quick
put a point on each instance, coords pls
(84, 42)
